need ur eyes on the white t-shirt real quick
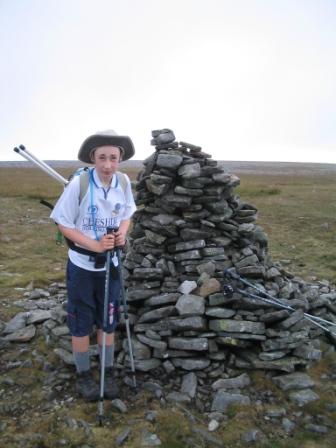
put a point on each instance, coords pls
(107, 207)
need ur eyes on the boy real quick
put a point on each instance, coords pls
(106, 203)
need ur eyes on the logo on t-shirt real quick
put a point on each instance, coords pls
(116, 210)
(92, 209)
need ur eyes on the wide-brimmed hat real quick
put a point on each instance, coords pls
(105, 138)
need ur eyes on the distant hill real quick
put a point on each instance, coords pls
(248, 167)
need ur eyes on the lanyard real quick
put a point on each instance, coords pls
(93, 209)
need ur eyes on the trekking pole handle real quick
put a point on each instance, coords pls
(109, 230)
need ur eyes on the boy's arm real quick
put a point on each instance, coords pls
(107, 242)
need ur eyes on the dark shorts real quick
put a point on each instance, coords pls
(86, 292)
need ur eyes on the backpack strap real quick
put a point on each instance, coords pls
(122, 180)
(83, 183)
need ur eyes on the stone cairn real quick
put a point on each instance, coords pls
(189, 228)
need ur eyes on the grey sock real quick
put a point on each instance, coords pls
(82, 361)
(109, 355)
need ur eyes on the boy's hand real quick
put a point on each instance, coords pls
(107, 242)
(120, 238)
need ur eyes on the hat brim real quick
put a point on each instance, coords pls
(94, 141)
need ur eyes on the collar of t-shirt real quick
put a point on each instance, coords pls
(98, 183)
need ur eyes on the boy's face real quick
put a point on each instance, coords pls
(106, 160)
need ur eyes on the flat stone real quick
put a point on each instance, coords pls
(170, 161)
(295, 317)
(157, 188)
(252, 436)
(38, 293)
(303, 397)
(16, 323)
(271, 356)
(252, 271)
(147, 273)
(197, 344)
(223, 399)
(196, 323)
(146, 365)
(38, 316)
(307, 351)
(188, 255)
(276, 412)
(189, 304)
(189, 385)
(294, 380)
(168, 366)
(65, 356)
(220, 312)
(217, 299)
(176, 201)
(190, 171)
(140, 294)
(210, 286)
(187, 287)
(60, 331)
(22, 335)
(250, 360)
(178, 397)
(140, 350)
(319, 429)
(238, 382)
(157, 314)
(155, 237)
(119, 405)
(236, 326)
(161, 345)
(274, 316)
(247, 261)
(191, 363)
(162, 299)
(209, 268)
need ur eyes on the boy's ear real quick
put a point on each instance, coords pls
(92, 153)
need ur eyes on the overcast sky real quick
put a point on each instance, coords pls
(244, 79)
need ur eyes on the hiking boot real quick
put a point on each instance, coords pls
(110, 386)
(86, 386)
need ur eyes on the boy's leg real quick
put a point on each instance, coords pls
(80, 319)
(80, 349)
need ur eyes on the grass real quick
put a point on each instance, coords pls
(298, 214)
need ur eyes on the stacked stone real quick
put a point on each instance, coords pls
(190, 226)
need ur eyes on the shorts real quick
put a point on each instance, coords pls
(86, 293)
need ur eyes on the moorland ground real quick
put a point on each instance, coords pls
(296, 208)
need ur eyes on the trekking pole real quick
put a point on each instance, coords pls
(102, 365)
(307, 316)
(318, 321)
(125, 310)
(40, 164)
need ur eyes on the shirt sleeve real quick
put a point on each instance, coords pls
(66, 209)
(130, 206)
